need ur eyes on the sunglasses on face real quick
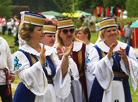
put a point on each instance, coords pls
(65, 31)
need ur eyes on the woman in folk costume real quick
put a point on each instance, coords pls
(65, 34)
(84, 34)
(112, 62)
(49, 34)
(44, 77)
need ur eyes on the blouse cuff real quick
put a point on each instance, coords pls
(62, 86)
(133, 73)
(34, 79)
(123, 67)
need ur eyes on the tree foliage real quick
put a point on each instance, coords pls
(66, 5)
(5, 10)
(72, 5)
(37, 5)
(86, 4)
(118, 3)
(131, 7)
(108, 3)
(95, 3)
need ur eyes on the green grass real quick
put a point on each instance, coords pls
(10, 40)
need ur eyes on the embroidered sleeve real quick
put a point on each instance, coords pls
(33, 77)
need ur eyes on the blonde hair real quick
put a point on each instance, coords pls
(25, 30)
(102, 32)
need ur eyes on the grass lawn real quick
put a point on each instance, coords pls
(10, 40)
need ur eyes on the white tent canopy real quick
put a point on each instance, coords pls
(51, 17)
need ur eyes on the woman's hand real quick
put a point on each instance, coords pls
(109, 55)
(65, 60)
(42, 55)
(60, 52)
(123, 55)
(68, 50)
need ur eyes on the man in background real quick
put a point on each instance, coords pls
(128, 32)
(114, 11)
(6, 71)
(4, 25)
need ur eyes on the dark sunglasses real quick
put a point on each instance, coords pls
(65, 31)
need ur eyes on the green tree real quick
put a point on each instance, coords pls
(5, 10)
(95, 3)
(131, 7)
(108, 3)
(65, 5)
(81, 4)
(36, 5)
(85, 4)
(118, 3)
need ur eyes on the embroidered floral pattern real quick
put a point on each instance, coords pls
(46, 64)
(114, 54)
(87, 59)
(16, 64)
(116, 100)
(48, 69)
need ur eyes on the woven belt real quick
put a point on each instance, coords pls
(50, 81)
(120, 76)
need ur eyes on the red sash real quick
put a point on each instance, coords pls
(79, 58)
(8, 91)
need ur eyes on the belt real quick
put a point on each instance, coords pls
(50, 81)
(120, 76)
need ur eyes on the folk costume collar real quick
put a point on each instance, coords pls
(77, 46)
(31, 50)
(105, 48)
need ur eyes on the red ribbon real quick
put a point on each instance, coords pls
(8, 91)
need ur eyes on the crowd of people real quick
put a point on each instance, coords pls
(10, 26)
(57, 63)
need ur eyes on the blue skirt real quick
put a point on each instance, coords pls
(23, 94)
(97, 91)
